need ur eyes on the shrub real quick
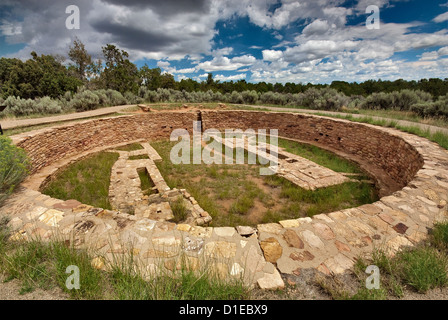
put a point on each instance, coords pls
(102, 96)
(85, 100)
(403, 100)
(20, 107)
(250, 97)
(14, 166)
(438, 108)
(132, 98)
(115, 97)
(330, 99)
(236, 97)
(273, 98)
(48, 105)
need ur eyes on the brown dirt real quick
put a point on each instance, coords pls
(11, 291)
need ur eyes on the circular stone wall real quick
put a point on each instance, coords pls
(412, 173)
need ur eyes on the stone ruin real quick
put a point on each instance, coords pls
(411, 173)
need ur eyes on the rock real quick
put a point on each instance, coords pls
(193, 245)
(293, 223)
(183, 227)
(69, 204)
(98, 263)
(81, 208)
(386, 218)
(397, 243)
(360, 227)
(400, 228)
(153, 253)
(220, 249)
(341, 246)
(220, 270)
(293, 239)
(370, 209)
(35, 213)
(52, 217)
(224, 231)
(166, 241)
(312, 240)
(271, 281)
(246, 231)
(274, 228)
(145, 224)
(252, 260)
(302, 256)
(323, 231)
(338, 264)
(236, 270)
(201, 232)
(272, 249)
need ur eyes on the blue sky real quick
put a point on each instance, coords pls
(304, 41)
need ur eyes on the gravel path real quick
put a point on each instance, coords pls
(11, 124)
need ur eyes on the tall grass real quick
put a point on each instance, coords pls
(14, 166)
(86, 180)
(43, 265)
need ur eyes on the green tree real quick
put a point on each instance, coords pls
(119, 73)
(150, 78)
(79, 55)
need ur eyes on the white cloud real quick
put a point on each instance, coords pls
(272, 55)
(441, 17)
(316, 27)
(163, 64)
(443, 51)
(235, 77)
(426, 56)
(226, 64)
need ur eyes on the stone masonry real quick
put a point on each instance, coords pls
(416, 168)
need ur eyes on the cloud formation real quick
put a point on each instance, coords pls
(311, 40)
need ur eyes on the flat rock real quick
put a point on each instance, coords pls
(293, 239)
(312, 240)
(272, 249)
(271, 281)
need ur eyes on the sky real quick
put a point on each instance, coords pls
(297, 41)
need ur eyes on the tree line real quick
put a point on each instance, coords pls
(47, 76)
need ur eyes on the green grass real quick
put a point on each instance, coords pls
(130, 147)
(139, 157)
(237, 194)
(439, 237)
(86, 180)
(423, 268)
(322, 157)
(146, 184)
(179, 209)
(37, 264)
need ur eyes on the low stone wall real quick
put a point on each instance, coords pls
(269, 253)
(388, 157)
(48, 146)
(377, 148)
